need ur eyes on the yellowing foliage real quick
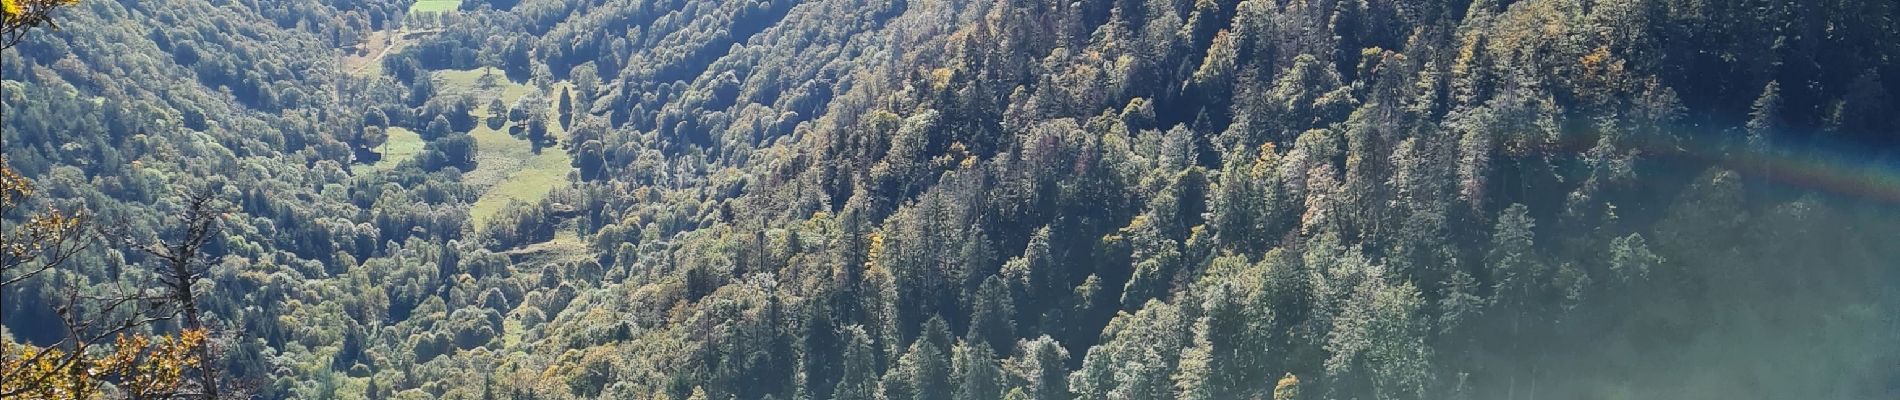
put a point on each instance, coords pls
(1265, 164)
(876, 251)
(13, 187)
(137, 366)
(43, 240)
(940, 78)
(16, 8)
(1603, 75)
(1600, 64)
(19, 16)
(37, 232)
(962, 155)
(133, 366)
(1287, 389)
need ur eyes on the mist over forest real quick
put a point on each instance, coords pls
(950, 199)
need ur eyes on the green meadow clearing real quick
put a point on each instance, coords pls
(423, 6)
(507, 166)
(403, 145)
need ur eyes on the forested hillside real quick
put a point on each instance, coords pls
(981, 199)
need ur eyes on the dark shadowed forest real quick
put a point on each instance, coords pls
(950, 199)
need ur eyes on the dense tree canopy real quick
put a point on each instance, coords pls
(1021, 199)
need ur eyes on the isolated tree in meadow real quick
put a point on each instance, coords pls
(537, 129)
(521, 109)
(497, 114)
(488, 79)
(565, 107)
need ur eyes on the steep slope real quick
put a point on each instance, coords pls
(999, 198)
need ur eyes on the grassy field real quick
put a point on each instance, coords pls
(422, 6)
(508, 167)
(464, 81)
(513, 172)
(403, 145)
